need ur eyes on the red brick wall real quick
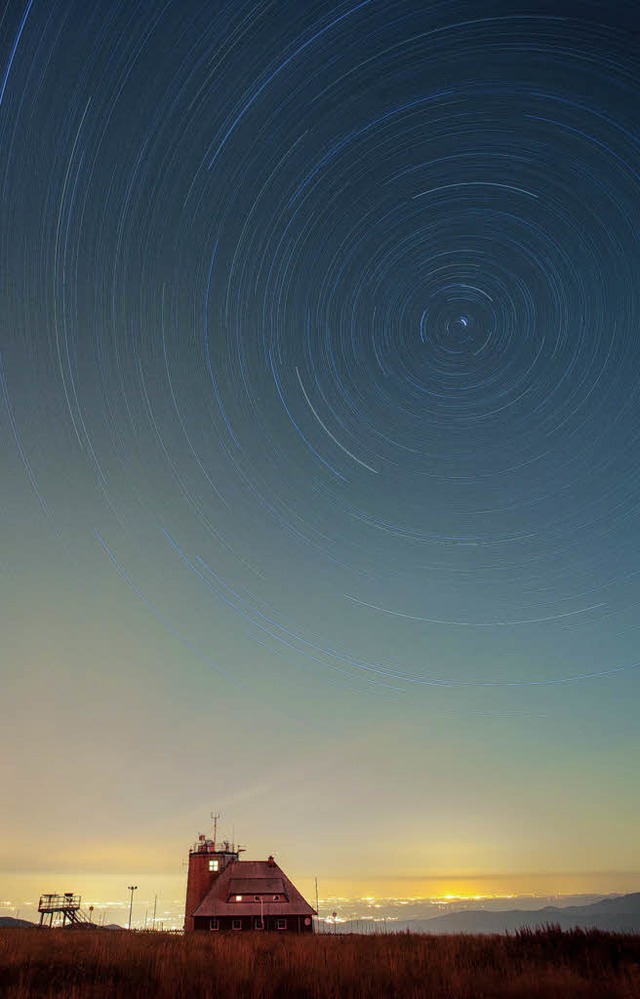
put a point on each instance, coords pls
(199, 880)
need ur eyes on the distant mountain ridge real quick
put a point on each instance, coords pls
(10, 922)
(616, 915)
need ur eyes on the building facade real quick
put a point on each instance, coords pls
(225, 893)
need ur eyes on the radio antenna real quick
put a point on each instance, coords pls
(215, 816)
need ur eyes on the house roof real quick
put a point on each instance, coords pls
(257, 886)
(264, 890)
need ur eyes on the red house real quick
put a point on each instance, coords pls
(226, 893)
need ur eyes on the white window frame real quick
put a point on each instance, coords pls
(236, 924)
(214, 923)
(281, 923)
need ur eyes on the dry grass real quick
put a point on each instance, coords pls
(111, 964)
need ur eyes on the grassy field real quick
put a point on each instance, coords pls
(106, 964)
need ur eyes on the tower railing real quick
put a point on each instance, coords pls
(67, 907)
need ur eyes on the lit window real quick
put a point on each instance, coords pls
(281, 924)
(238, 898)
(214, 865)
(236, 924)
(214, 924)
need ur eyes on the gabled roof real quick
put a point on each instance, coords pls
(257, 886)
(257, 882)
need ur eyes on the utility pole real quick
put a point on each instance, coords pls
(131, 888)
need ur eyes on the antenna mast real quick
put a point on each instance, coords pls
(215, 816)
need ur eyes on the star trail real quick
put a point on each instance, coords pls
(320, 395)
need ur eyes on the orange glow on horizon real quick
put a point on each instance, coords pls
(459, 888)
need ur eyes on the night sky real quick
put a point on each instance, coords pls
(320, 422)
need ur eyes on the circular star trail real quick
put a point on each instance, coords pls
(321, 326)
